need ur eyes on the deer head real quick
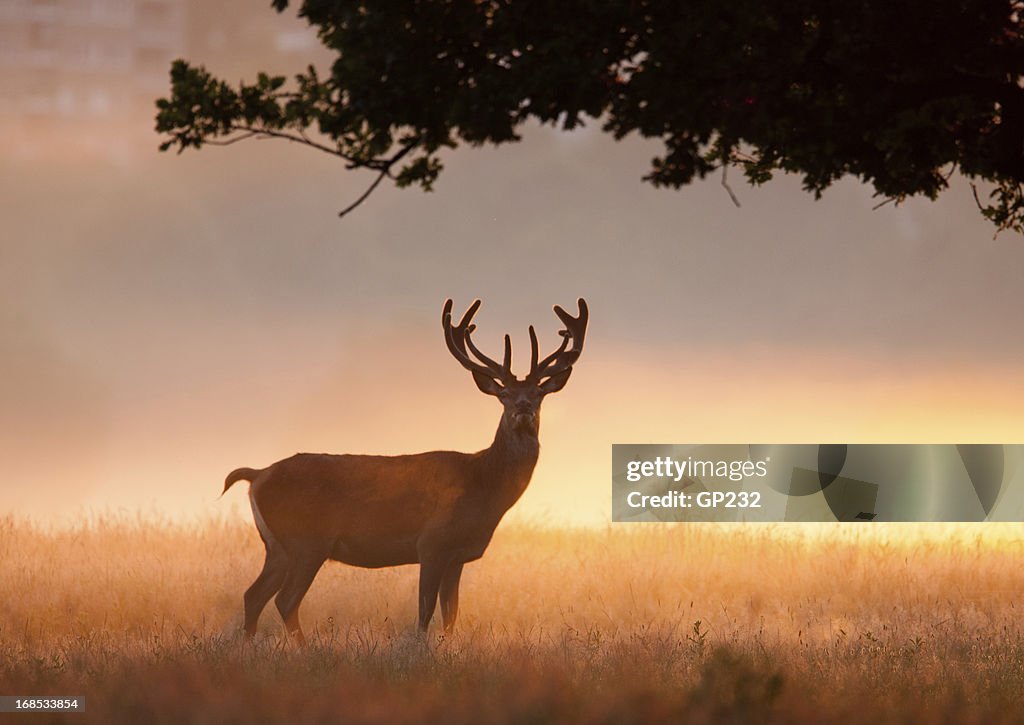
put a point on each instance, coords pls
(521, 399)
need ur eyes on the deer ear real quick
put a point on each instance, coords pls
(556, 382)
(486, 384)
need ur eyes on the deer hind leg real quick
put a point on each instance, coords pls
(267, 584)
(450, 595)
(300, 576)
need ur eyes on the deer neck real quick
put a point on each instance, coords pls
(510, 461)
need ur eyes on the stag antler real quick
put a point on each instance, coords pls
(458, 339)
(461, 345)
(575, 330)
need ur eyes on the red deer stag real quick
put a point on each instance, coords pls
(437, 509)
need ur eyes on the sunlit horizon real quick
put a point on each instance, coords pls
(168, 318)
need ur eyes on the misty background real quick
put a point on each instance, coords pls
(164, 319)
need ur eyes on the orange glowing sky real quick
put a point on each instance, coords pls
(165, 319)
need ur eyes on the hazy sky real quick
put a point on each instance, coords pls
(164, 319)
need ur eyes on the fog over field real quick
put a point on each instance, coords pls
(164, 319)
(169, 318)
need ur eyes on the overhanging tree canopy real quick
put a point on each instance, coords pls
(898, 93)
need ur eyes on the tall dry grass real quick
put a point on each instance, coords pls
(635, 622)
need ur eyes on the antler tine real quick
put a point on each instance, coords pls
(497, 370)
(533, 349)
(457, 339)
(575, 331)
(454, 337)
(540, 369)
(575, 326)
(465, 326)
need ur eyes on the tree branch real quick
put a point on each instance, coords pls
(383, 166)
(384, 172)
(301, 139)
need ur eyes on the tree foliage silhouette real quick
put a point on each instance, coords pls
(897, 93)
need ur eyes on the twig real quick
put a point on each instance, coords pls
(229, 141)
(364, 195)
(267, 132)
(897, 200)
(725, 185)
(384, 172)
(977, 201)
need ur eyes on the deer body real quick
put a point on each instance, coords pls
(376, 511)
(436, 509)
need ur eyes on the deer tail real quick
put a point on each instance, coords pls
(240, 474)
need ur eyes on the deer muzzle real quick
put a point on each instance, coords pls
(524, 419)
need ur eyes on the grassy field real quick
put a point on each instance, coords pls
(631, 623)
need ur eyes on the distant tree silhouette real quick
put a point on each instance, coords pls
(897, 93)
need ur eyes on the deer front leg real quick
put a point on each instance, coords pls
(431, 571)
(450, 595)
